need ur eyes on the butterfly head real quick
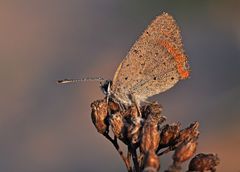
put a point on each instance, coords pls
(106, 87)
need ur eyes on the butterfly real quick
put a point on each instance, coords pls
(154, 64)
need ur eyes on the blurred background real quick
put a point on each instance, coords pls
(47, 127)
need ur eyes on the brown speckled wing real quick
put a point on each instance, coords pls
(155, 63)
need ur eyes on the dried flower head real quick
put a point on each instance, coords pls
(151, 162)
(153, 113)
(113, 106)
(117, 124)
(185, 150)
(134, 129)
(142, 131)
(204, 162)
(131, 112)
(99, 115)
(150, 137)
(190, 132)
(168, 134)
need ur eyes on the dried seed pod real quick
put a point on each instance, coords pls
(189, 132)
(99, 115)
(134, 128)
(150, 137)
(131, 112)
(151, 162)
(117, 123)
(150, 133)
(204, 162)
(113, 106)
(185, 151)
(153, 113)
(168, 134)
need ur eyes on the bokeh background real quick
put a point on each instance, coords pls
(47, 127)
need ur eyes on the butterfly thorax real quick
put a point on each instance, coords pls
(115, 95)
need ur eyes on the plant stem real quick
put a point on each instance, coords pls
(115, 144)
(134, 157)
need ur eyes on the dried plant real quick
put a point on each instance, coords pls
(147, 139)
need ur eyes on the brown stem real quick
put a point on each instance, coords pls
(175, 167)
(129, 158)
(165, 151)
(134, 158)
(115, 144)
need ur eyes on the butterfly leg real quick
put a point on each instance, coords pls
(138, 109)
(136, 104)
(122, 107)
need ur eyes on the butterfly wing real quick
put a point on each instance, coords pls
(155, 63)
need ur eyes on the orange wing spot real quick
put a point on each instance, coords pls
(179, 57)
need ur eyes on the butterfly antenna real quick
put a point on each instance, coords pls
(66, 81)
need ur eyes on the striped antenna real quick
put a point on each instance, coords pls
(66, 81)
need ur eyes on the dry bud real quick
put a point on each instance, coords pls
(151, 162)
(185, 150)
(113, 106)
(169, 134)
(188, 133)
(204, 162)
(131, 112)
(150, 134)
(117, 124)
(152, 113)
(99, 115)
(134, 124)
(134, 129)
(150, 137)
